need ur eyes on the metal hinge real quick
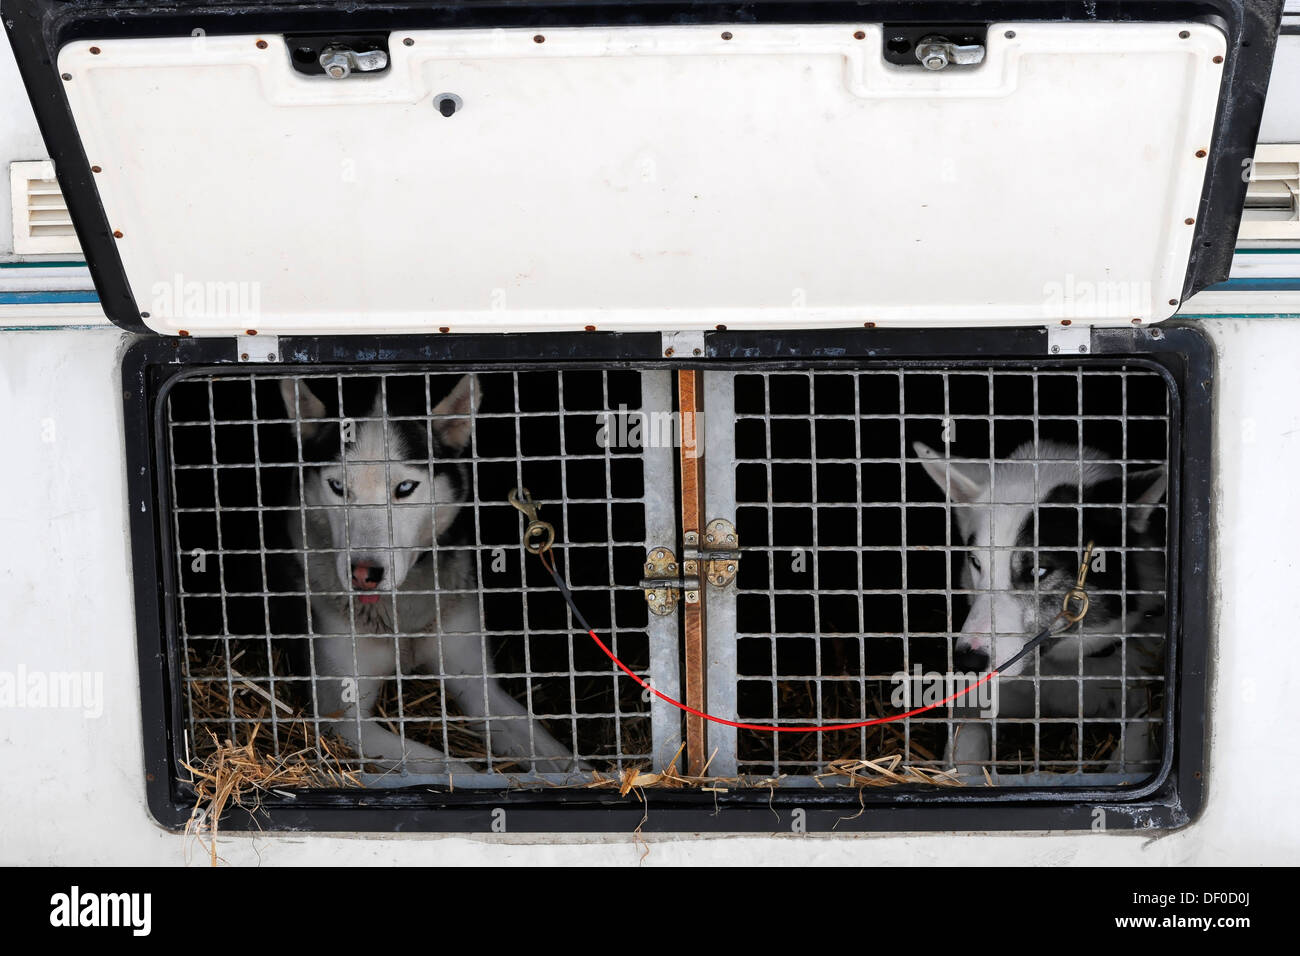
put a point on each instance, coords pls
(1069, 340)
(719, 556)
(257, 348)
(681, 344)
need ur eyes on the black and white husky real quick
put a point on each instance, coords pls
(1033, 498)
(384, 598)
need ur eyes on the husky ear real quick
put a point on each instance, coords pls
(1145, 489)
(962, 482)
(308, 406)
(462, 403)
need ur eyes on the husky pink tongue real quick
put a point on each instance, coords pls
(368, 598)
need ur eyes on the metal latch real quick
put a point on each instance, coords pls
(662, 582)
(937, 53)
(340, 62)
(718, 554)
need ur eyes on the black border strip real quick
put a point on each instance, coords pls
(1173, 799)
(39, 28)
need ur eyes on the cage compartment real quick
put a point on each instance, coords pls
(241, 475)
(853, 587)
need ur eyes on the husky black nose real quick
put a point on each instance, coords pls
(971, 662)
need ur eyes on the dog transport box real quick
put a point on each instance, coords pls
(546, 416)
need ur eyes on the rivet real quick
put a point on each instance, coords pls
(859, 35)
(250, 331)
(726, 34)
(67, 76)
(94, 51)
(1200, 154)
(182, 333)
(668, 353)
(1065, 321)
(96, 169)
(117, 233)
(539, 39)
(590, 328)
(243, 356)
(1188, 221)
(1183, 35)
(1010, 34)
(408, 42)
(1217, 59)
(443, 328)
(261, 44)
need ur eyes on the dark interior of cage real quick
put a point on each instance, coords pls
(851, 570)
(243, 613)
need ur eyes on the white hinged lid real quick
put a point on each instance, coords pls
(652, 178)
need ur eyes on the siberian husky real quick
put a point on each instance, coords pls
(1000, 512)
(371, 522)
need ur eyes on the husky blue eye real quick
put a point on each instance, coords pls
(405, 488)
(336, 486)
(1040, 572)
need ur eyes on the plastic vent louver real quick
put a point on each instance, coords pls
(1272, 209)
(42, 225)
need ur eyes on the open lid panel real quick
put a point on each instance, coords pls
(517, 168)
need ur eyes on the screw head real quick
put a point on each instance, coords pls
(1055, 349)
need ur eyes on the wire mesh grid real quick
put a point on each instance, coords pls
(351, 568)
(903, 528)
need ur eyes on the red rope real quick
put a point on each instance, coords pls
(549, 563)
(813, 729)
(772, 728)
